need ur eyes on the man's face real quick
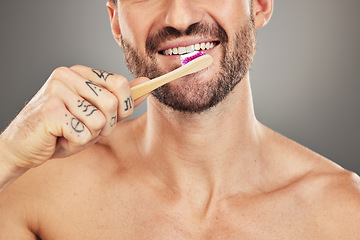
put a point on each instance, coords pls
(150, 28)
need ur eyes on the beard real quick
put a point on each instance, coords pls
(194, 95)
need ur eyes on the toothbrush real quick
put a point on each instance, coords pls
(191, 63)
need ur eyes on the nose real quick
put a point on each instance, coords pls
(182, 13)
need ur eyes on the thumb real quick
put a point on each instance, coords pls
(136, 82)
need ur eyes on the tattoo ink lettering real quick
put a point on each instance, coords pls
(102, 74)
(94, 87)
(82, 103)
(128, 103)
(77, 126)
(94, 110)
(87, 107)
(113, 121)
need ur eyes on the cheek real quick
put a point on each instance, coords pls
(231, 15)
(134, 28)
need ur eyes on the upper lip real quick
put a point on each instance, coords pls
(183, 43)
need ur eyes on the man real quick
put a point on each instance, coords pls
(198, 165)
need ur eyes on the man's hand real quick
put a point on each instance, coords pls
(71, 111)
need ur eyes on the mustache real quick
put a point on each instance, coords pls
(214, 31)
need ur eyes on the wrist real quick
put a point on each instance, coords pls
(9, 171)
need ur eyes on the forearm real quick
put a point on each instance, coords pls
(8, 172)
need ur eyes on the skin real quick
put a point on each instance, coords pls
(220, 174)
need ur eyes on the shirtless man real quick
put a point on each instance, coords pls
(197, 165)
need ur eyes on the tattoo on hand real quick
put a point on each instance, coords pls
(102, 74)
(128, 103)
(77, 126)
(87, 107)
(113, 121)
(94, 87)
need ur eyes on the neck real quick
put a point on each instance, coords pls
(215, 149)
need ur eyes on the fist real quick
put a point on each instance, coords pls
(74, 108)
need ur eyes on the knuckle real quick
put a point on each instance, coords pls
(60, 71)
(111, 104)
(121, 82)
(77, 67)
(54, 87)
(51, 107)
(98, 124)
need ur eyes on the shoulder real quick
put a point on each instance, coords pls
(334, 185)
(334, 197)
(329, 192)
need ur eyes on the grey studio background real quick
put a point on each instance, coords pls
(305, 78)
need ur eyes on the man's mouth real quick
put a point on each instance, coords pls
(187, 49)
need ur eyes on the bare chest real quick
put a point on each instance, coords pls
(129, 217)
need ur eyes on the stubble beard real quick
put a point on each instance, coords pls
(194, 95)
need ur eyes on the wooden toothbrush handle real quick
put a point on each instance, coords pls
(145, 88)
(191, 67)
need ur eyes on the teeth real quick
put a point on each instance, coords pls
(168, 51)
(188, 49)
(197, 47)
(182, 50)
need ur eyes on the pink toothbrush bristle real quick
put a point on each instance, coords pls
(192, 57)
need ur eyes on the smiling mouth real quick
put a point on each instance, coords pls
(195, 47)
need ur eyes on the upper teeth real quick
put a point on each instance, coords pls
(188, 49)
